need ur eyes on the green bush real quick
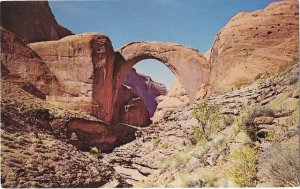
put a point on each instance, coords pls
(242, 167)
(239, 84)
(165, 146)
(94, 150)
(283, 164)
(210, 121)
(155, 140)
(248, 121)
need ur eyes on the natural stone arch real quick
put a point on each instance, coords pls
(91, 72)
(186, 63)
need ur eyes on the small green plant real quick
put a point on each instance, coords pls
(248, 121)
(165, 146)
(242, 167)
(273, 136)
(239, 84)
(287, 67)
(94, 150)
(155, 140)
(293, 120)
(210, 121)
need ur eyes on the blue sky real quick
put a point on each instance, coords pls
(193, 23)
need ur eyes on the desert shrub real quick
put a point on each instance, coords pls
(283, 164)
(274, 136)
(284, 69)
(293, 120)
(242, 167)
(239, 84)
(248, 121)
(165, 146)
(210, 121)
(94, 150)
(188, 181)
(155, 140)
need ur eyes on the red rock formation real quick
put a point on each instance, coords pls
(23, 64)
(253, 43)
(97, 134)
(145, 88)
(130, 109)
(186, 63)
(175, 99)
(32, 21)
(84, 66)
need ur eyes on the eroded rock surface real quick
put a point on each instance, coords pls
(175, 99)
(253, 43)
(31, 21)
(130, 109)
(84, 66)
(23, 64)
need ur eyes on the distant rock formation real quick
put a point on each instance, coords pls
(145, 88)
(130, 109)
(255, 42)
(175, 99)
(31, 21)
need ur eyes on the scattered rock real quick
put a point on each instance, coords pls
(264, 120)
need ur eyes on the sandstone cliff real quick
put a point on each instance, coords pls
(31, 21)
(83, 65)
(20, 63)
(253, 43)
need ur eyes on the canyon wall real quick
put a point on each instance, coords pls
(20, 63)
(31, 21)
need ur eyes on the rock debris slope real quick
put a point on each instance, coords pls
(148, 161)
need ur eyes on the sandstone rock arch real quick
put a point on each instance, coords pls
(186, 63)
(91, 72)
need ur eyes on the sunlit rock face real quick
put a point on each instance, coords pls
(20, 63)
(253, 43)
(83, 65)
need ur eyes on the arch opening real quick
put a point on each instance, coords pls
(140, 91)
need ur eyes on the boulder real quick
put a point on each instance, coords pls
(254, 43)
(264, 120)
(32, 21)
(98, 134)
